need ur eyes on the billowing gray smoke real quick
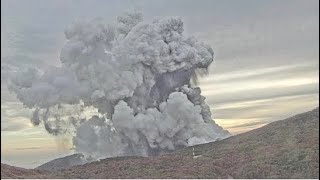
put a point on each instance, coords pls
(137, 76)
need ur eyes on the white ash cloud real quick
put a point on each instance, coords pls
(137, 75)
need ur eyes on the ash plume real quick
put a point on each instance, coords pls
(124, 88)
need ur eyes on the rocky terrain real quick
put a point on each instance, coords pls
(283, 149)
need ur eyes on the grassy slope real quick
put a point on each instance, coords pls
(283, 149)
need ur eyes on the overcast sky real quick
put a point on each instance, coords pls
(266, 59)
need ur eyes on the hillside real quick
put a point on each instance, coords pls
(282, 149)
(11, 172)
(63, 163)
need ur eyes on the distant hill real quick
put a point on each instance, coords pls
(63, 163)
(282, 149)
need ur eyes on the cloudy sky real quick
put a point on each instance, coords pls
(266, 60)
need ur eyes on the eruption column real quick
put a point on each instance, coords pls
(137, 76)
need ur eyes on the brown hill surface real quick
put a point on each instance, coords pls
(283, 149)
(11, 172)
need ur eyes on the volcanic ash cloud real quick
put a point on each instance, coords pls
(136, 75)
